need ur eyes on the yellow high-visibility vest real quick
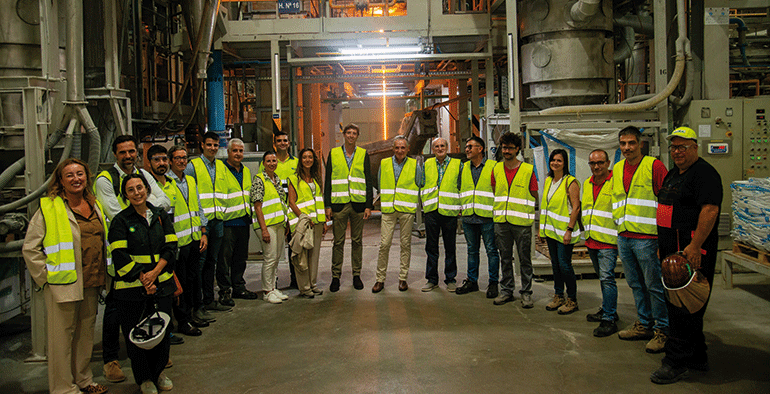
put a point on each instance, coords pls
(479, 198)
(348, 185)
(401, 195)
(597, 215)
(514, 204)
(273, 208)
(444, 197)
(236, 200)
(635, 211)
(209, 193)
(308, 202)
(554, 211)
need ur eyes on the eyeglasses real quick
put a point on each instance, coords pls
(679, 148)
(596, 163)
(179, 158)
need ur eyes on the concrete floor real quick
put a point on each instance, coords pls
(413, 342)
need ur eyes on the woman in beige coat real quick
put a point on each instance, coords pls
(66, 255)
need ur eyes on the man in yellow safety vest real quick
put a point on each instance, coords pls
(348, 197)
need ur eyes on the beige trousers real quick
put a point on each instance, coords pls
(389, 220)
(306, 280)
(272, 253)
(70, 341)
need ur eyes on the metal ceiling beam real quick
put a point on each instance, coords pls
(386, 59)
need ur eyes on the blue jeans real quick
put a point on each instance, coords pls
(642, 269)
(473, 235)
(561, 264)
(604, 264)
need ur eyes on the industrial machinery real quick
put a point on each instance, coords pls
(567, 73)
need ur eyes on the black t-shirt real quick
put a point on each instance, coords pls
(679, 204)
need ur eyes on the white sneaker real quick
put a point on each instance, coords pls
(148, 387)
(273, 298)
(164, 383)
(283, 297)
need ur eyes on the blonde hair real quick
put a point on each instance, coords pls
(56, 188)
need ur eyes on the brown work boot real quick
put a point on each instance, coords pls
(636, 332)
(558, 300)
(113, 373)
(568, 307)
(656, 344)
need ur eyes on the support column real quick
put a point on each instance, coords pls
(475, 107)
(661, 68)
(514, 88)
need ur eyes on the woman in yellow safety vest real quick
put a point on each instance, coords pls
(65, 252)
(306, 197)
(560, 206)
(143, 243)
(269, 201)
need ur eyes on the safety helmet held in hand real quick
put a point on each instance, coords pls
(150, 331)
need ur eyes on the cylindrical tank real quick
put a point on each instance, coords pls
(20, 35)
(563, 61)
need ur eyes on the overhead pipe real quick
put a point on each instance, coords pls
(682, 42)
(209, 17)
(584, 10)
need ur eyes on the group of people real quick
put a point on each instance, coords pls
(157, 240)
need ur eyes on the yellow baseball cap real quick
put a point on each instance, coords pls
(683, 132)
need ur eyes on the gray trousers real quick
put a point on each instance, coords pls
(506, 235)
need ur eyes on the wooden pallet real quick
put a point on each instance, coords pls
(752, 253)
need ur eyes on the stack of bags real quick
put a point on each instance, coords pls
(751, 212)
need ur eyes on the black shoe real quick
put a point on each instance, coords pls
(217, 307)
(595, 317)
(226, 299)
(245, 294)
(198, 323)
(492, 290)
(308, 296)
(202, 315)
(606, 328)
(189, 330)
(176, 340)
(357, 283)
(335, 286)
(467, 287)
(667, 374)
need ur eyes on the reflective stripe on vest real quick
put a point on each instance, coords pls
(479, 198)
(209, 193)
(401, 195)
(236, 200)
(554, 212)
(58, 242)
(139, 259)
(597, 215)
(636, 211)
(514, 204)
(273, 208)
(187, 222)
(444, 197)
(348, 185)
(307, 202)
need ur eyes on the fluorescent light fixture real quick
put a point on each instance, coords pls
(380, 50)
(385, 94)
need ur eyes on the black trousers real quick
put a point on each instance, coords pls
(145, 364)
(686, 343)
(437, 225)
(187, 270)
(232, 263)
(110, 330)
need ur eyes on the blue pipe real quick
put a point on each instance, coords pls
(742, 29)
(216, 97)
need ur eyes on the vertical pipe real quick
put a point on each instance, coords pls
(111, 49)
(74, 21)
(216, 96)
(138, 58)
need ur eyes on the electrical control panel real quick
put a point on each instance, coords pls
(756, 140)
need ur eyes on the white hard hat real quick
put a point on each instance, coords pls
(150, 331)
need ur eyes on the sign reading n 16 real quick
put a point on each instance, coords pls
(289, 6)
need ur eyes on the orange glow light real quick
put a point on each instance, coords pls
(384, 112)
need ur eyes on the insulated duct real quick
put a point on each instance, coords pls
(682, 47)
